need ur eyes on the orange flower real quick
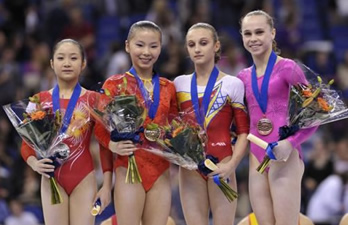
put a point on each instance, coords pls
(307, 93)
(323, 104)
(38, 115)
(177, 131)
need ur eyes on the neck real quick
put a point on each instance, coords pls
(66, 88)
(144, 74)
(203, 73)
(261, 62)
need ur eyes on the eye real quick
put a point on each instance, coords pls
(203, 43)
(191, 44)
(259, 32)
(247, 34)
(139, 45)
(60, 57)
(154, 46)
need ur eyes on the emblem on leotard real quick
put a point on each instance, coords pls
(264, 126)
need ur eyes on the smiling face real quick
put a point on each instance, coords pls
(257, 34)
(68, 61)
(144, 48)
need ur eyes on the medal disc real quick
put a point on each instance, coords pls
(264, 126)
(152, 135)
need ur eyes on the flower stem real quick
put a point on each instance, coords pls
(56, 197)
(264, 164)
(133, 175)
(230, 194)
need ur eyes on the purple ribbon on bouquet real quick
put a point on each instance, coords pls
(132, 136)
(205, 170)
(287, 131)
(55, 163)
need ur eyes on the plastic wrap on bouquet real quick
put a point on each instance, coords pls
(311, 104)
(182, 142)
(122, 113)
(40, 128)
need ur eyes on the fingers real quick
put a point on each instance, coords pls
(104, 204)
(42, 167)
(123, 147)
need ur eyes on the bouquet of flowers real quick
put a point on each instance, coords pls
(182, 142)
(123, 116)
(310, 105)
(39, 127)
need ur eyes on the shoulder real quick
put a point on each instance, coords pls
(244, 73)
(286, 64)
(231, 79)
(90, 96)
(182, 82)
(232, 82)
(44, 96)
(116, 79)
(165, 82)
(182, 78)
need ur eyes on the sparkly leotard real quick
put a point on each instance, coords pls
(285, 73)
(150, 166)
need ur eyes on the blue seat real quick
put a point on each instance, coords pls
(36, 210)
(108, 31)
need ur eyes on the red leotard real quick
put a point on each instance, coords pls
(150, 166)
(80, 163)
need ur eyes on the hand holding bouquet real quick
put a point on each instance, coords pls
(39, 127)
(123, 116)
(310, 105)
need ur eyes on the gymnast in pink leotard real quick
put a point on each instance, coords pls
(285, 73)
(274, 195)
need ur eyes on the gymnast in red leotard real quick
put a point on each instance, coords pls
(147, 202)
(75, 176)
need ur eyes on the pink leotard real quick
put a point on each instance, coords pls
(285, 73)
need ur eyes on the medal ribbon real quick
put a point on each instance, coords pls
(201, 111)
(261, 98)
(71, 105)
(152, 106)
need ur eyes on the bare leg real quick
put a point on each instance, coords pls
(285, 182)
(129, 199)
(223, 211)
(194, 197)
(260, 195)
(81, 201)
(57, 214)
(157, 205)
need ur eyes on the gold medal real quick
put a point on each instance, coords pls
(153, 134)
(264, 126)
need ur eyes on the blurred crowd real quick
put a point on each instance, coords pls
(312, 31)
